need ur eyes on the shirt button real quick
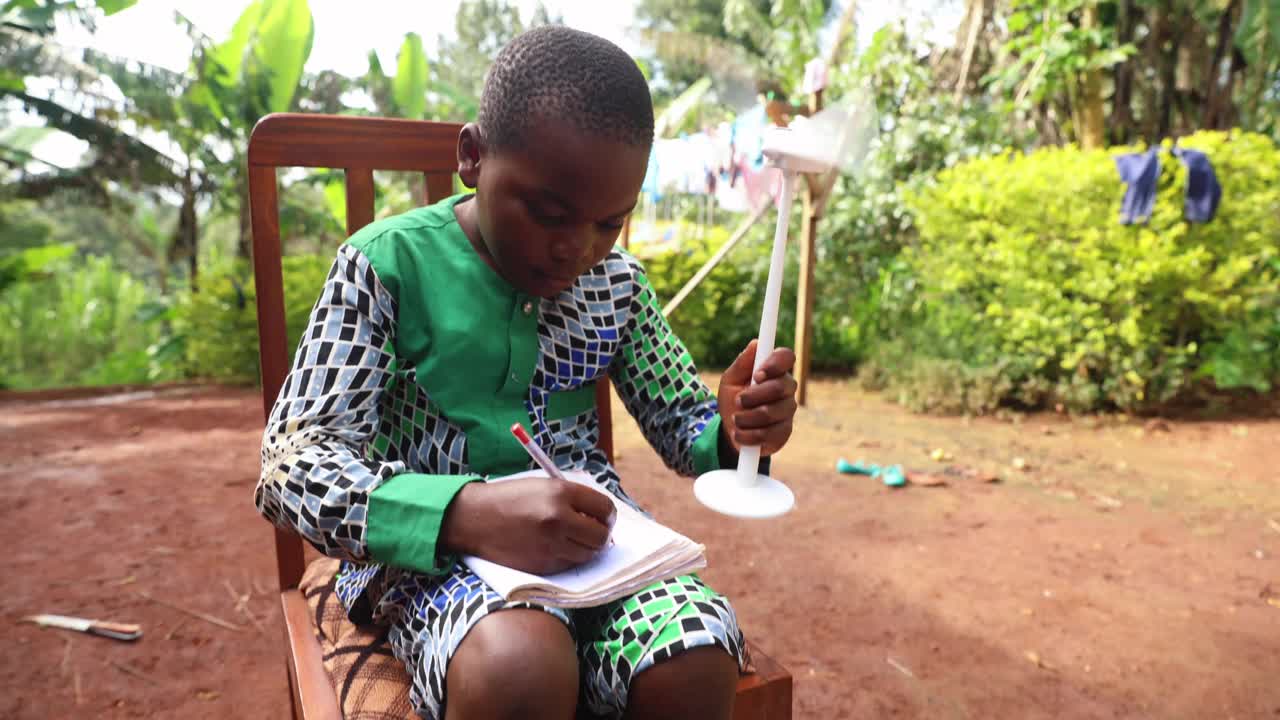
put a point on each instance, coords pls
(528, 307)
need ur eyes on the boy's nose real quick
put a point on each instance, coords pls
(569, 247)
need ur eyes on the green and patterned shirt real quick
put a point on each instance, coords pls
(418, 359)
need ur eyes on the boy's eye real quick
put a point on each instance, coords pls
(547, 219)
(546, 216)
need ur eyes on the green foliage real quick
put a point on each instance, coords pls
(718, 319)
(268, 47)
(1024, 280)
(410, 84)
(867, 222)
(1048, 52)
(32, 263)
(78, 322)
(480, 29)
(219, 325)
(1259, 30)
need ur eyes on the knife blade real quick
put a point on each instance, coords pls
(116, 631)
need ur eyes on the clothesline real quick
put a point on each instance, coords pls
(724, 162)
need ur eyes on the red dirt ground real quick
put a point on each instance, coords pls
(1118, 570)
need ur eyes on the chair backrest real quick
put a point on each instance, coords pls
(358, 146)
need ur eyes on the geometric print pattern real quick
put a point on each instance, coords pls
(429, 618)
(350, 416)
(629, 635)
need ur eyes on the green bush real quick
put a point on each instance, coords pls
(1025, 283)
(721, 315)
(70, 321)
(218, 324)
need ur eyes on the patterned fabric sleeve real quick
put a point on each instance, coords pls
(315, 478)
(656, 378)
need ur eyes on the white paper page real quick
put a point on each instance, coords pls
(634, 538)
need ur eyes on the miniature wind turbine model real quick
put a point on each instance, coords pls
(835, 138)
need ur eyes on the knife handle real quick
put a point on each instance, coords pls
(116, 631)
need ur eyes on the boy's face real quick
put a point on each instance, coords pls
(551, 209)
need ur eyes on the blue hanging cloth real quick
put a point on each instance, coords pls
(1140, 173)
(1203, 190)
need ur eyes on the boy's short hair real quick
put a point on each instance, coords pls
(558, 73)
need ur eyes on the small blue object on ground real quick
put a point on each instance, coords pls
(892, 475)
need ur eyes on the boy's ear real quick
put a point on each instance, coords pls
(470, 151)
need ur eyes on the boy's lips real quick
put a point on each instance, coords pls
(557, 279)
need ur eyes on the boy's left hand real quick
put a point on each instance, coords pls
(759, 414)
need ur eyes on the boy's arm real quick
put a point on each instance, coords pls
(315, 476)
(658, 382)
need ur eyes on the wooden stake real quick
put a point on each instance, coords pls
(738, 234)
(804, 292)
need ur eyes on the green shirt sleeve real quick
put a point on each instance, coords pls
(706, 448)
(405, 515)
(711, 452)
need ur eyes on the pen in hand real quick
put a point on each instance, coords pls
(540, 457)
(536, 453)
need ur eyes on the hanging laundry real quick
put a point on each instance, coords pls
(1203, 190)
(650, 185)
(1140, 173)
(815, 75)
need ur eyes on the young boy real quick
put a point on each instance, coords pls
(440, 328)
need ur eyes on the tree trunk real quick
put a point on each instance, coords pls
(1152, 53)
(1122, 123)
(1217, 90)
(975, 17)
(1168, 73)
(192, 222)
(1092, 112)
(1234, 86)
(244, 248)
(185, 245)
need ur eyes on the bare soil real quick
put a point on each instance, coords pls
(1119, 568)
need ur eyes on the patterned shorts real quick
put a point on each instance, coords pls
(430, 616)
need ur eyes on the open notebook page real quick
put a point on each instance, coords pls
(637, 543)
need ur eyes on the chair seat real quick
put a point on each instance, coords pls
(371, 684)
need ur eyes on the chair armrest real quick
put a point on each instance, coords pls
(313, 694)
(765, 694)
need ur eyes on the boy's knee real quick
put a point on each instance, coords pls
(513, 664)
(697, 683)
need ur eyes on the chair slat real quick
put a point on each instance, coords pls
(359, 198)
(439, 186)
(273, 354)
(268, 279)
(604, 410)
(314, 696)
(336, 141)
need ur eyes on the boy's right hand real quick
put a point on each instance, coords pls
(537, 524)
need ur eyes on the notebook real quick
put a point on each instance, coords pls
(643, 552)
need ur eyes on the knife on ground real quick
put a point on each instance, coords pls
(113, 630)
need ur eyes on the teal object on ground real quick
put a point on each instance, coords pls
(858, 468)
(891, 476)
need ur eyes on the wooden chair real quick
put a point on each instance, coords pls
(359, 146)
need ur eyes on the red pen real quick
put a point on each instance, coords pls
(536, 453)
(541, 458)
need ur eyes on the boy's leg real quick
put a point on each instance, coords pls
(672, 650)
(514, 664)
(461, 641)
(698, 683)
